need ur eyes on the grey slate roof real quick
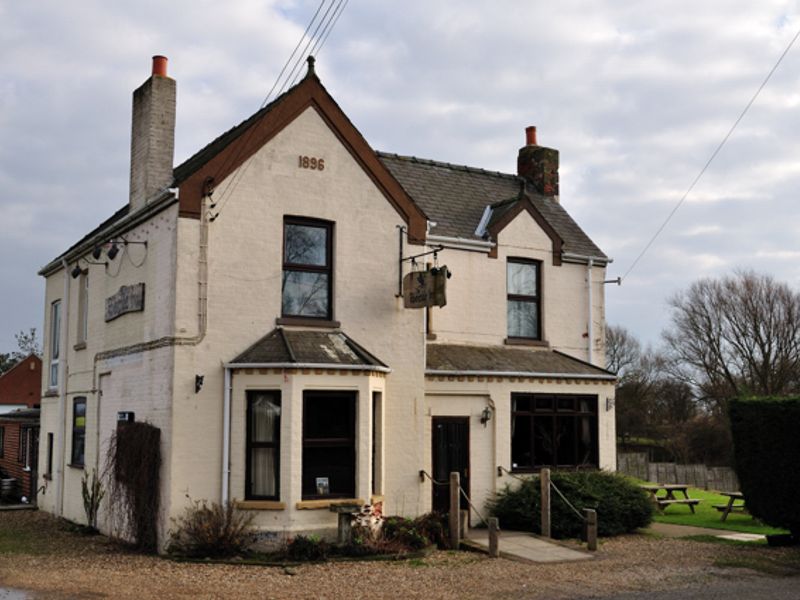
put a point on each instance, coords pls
(283, 346)
(25, 415)
(455, 196)
(504, 359)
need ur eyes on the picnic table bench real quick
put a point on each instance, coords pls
(670, 498)
(731, 506)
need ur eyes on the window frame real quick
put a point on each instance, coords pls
(2, 440)
(250, 445)
(22, 445)
(535, 299)
(556, 413)
(309, 268)
(82, 332)
(78, 433)
(55, 343)
(350, 442)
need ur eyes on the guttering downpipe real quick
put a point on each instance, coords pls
(226, 437)
(62, 389)
(590, 327)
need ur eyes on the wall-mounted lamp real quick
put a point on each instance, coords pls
(113, 251)
(609, 403)
(198, 383)
(97, 252)
(76, 272)
(486, 416)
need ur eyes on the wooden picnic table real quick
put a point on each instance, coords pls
(728, 508)
(670, 498)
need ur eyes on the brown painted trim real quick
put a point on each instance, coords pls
(308, 93)
(308, 322)
(320, 504)
(526, 203)
(260, 505)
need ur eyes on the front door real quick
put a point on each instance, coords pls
(450, 453)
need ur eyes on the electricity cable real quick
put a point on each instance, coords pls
(711, 158)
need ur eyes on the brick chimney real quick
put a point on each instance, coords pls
(152, 135)
(539, 165)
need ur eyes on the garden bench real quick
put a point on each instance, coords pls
(731, 506)
(670, 488)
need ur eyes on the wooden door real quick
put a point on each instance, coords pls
(450, 453)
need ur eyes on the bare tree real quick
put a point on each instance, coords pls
(623, 351)
(736, 335)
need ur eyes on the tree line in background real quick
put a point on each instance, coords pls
(27, 344)
(729, 337)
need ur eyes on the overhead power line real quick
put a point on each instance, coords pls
(711, 158)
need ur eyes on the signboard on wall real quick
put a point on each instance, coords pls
(425, 288)
(129, 298)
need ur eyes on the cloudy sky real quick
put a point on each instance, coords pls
(635, 95)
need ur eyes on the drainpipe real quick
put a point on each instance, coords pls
(226, 436)
(62, 390)
(590, 328)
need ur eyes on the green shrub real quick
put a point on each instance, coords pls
(766, 447)
(403, 532)
(621, 506)
(311, 548)
(211, 530)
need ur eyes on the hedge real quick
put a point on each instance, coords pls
(621, 505)
(766, 448)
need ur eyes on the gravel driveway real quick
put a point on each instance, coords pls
(40, 554)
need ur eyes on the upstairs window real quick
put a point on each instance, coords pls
(524, 302)
(55, 341)
(307, 273)
(83, 307)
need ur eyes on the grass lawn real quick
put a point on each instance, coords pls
(707, 516)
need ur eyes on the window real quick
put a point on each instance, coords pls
(49, 472)
(22, 451)
(553, 431)
(83, 307)
(329, 445)
(55, 341)
(524, 306)
(263, 445)
(377, 443)
(78, 431)
(2, 440)
(307, 273)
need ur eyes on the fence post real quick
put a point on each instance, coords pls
(591, 528)
(494, 533)
(455, 512)
(544, 478)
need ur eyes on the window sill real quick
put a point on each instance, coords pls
(260, 505)
(51, 393)
(512, 341)
(308, 322)
(376, 499)
(323, 504)
(79, 346)
(71, 466)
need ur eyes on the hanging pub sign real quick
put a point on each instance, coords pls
(425, 288)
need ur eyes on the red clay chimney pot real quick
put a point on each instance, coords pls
(160, 65)
(530, 136)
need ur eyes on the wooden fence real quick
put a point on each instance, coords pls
(636, 464)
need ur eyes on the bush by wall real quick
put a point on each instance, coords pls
(766, 447)
(211, 530)
(621, 506)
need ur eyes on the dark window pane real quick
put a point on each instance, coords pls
(329, 461)
(329, 416)
(265, 413)
(566, 404)
(587, 434)
(523, 319)
(565, 441)
(337, 464)
(521, 442)
(587, 406)
(305, 294)
(521, 403)
(522, 279)
(78, 431)
(543, 442)
(545, 403)
(306, 245)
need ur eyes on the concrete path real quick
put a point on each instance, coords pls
(679, 531)
(525, 546)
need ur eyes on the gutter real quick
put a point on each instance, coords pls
(599, 261)
(520, 374)
(164, 199)
(461, 243)
(332, 366)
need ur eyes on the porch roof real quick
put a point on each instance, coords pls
(303, 348)
(459, 359)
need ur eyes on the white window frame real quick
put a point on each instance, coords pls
(55, 342)
(83, 307)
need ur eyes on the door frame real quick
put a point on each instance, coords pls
(452, 419)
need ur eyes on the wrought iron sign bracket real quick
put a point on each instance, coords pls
(435, 252)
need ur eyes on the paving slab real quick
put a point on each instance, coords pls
(679, 531)
(521, 545)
